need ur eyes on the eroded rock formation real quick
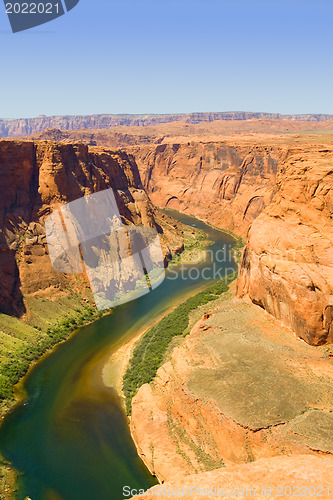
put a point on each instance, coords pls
(38, 177)
(239, 388)
(225, 183)
(287, 266)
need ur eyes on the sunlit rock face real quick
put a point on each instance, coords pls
(38, 177)
(287, 266)
(226, 183)
(278, 197)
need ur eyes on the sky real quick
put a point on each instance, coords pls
(154, 56)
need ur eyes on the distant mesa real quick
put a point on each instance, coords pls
(26, 126)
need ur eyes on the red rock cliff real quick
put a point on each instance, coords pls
(37, 177)
(226, 183)
(287, 266)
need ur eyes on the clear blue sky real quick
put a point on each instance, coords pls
(154, 56)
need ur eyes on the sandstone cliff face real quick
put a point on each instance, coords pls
(35, 179)
(224, 183)
(287, 266)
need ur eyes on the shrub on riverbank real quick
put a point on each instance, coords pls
(150, 350)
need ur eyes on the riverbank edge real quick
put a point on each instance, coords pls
(236, 249)
(124, 353)
(8, 474)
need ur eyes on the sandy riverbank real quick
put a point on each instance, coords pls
(115, 368)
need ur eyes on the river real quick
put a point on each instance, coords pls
(69, 438)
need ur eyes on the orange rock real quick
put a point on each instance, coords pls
(287, 266)
(226, 393)
(225, 183)
(37, 177)
(278, 477)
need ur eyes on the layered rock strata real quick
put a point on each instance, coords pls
(287, 266)
(39, 177)
(221, 182)
(25, 126)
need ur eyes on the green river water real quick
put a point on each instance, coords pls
(69, 438)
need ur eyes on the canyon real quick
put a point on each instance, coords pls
(202, 411)
(277, 184)
(276, 193)
(241, 392)
(39, 177)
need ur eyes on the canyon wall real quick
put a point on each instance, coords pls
(287, 266)
(283, 193)
(38, 177)
(225, 183)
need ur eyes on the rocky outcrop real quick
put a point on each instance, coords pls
(26, 126)
(287, 266)
(226, 183)
(239, 388)
(35, 179)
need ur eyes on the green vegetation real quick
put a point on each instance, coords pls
(23, 341)
(149, 352)
(18, 352)
(195, 242)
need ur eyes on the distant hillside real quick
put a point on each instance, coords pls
(27, 126)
